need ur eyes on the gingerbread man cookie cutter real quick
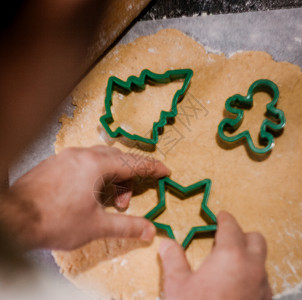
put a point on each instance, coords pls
(266, 137)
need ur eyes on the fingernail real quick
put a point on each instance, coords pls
(148, 234)
(164, 246)
(123, 200)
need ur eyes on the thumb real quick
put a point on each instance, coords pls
(116, 225)
(175, 264)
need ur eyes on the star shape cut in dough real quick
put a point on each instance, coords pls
(183, 192)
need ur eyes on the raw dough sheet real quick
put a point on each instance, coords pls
(264, 194)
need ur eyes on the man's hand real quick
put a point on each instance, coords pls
(53, 206)
(233, 271)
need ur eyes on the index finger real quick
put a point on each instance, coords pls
(125, 166)
(229, 234)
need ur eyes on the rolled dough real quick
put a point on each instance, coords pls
(263, 194)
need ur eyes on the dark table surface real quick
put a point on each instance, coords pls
(159, 9)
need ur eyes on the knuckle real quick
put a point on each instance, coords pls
(90, 155)
(150, 167)
(69, 152)
(234, 253)
(258, 236)
(113, 228)
(105, 149)
(84, 157)
(122, 232)
(257, 242)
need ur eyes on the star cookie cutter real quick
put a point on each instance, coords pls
(139, 83)
(266, 138)
(204, 185)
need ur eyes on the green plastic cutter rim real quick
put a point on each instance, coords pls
(204, 185)
(264, 85)
(134, 83)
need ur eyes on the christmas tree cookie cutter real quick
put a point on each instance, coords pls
(139, 83)
(266, 137)
(200, 186)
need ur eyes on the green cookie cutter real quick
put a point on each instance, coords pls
(266, 137)
(204, 185)
(139, 83)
